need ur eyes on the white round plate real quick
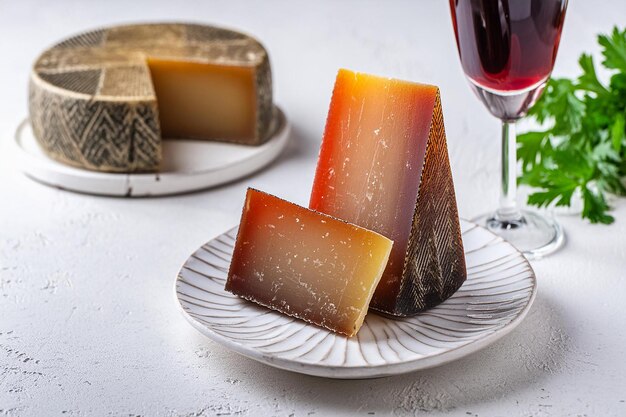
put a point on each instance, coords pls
(498, 293)
(188, 165)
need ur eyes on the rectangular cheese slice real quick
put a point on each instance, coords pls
(204, 100)
(306, 264)
(383, 165)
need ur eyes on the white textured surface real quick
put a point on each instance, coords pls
(87, 321)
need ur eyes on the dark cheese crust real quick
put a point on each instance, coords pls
(114, 137)
(91, 100)
(434, 266)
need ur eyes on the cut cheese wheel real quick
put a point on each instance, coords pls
(102, 100)
(383, 165)
(306, 264)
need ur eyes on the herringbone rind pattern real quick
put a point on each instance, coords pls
(92, 104)
(113, 137)
(434, 266)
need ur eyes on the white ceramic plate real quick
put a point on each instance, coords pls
(188, 165)
(498, 293)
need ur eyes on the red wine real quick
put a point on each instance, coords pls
(508, 45)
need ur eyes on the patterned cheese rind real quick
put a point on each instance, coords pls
(434, 266)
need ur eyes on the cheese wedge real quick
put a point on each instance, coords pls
(102, 100)
(383, 165)
(306, 264)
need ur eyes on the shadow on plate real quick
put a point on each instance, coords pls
(299, 147)
(521, 359)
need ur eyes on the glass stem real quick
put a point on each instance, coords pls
(508, 209)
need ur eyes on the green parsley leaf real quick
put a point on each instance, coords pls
(617, 132)
(582, 145)
(530, 146)
(595, 207)
(588, 81)
(614, 50)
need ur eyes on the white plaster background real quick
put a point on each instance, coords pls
(88, 325)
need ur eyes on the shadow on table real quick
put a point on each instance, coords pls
(300, 147)
(521, 359)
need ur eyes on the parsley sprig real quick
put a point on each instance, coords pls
(583, 147)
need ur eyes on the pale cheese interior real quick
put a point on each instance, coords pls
(370, 164)
(204, 101)
(306, 264)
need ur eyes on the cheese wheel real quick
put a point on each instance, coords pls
(96, 100)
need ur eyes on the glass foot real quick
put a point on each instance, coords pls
(532, 234)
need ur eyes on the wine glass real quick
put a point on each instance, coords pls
(507, 50)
